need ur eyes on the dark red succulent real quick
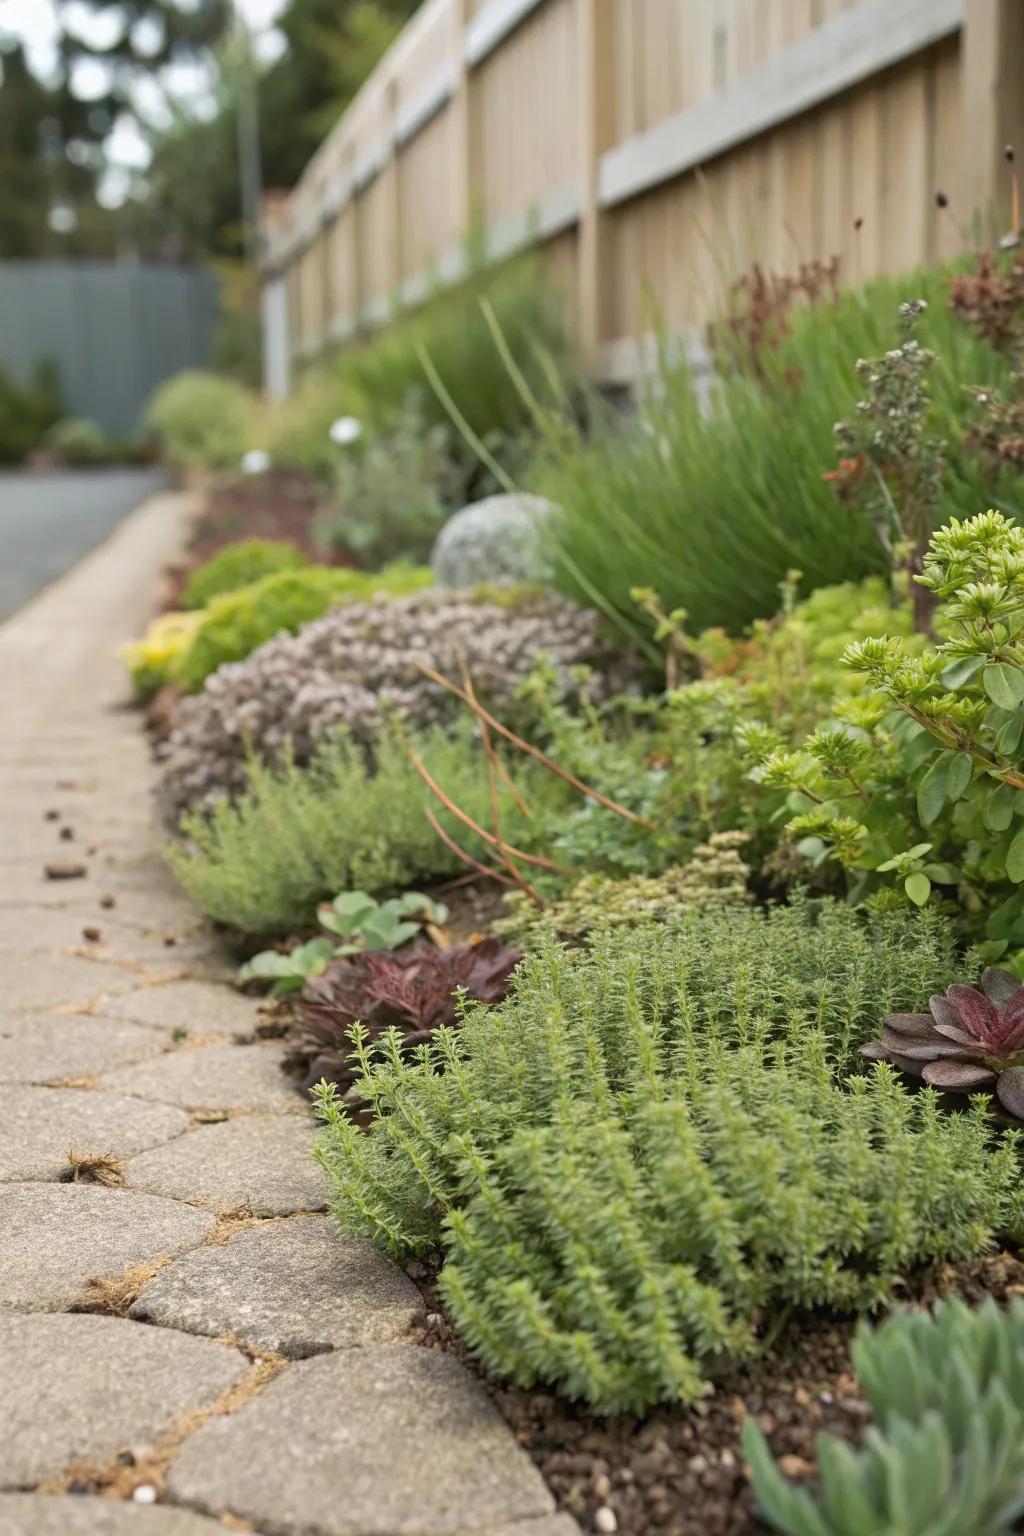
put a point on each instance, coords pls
(967, 1040)
(413, 990)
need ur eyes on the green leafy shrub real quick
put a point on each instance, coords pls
(297, 836)
(81, 443)
(237, 623)
(393, 491)
(946, 1451)
(920, 780)
(202, 420)
(239, 565)
(651, 1143)
(296, 431)
(27, 411)
(716, 505)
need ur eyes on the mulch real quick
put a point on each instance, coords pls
(280, 504)
(680, 1472)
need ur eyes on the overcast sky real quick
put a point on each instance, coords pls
(34, 22)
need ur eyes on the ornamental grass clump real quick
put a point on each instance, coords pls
(653, 1147)
(967, 1040)
(945, 1453)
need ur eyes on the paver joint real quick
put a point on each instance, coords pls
(137, 1107)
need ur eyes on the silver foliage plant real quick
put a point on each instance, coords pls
(498, 539)
(358, 667)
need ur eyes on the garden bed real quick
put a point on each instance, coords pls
(682, 1472)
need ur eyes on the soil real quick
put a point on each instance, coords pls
(280, 504)
(680, 1472)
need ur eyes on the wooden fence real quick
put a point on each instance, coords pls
(650, 148)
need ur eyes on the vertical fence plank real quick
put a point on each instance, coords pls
(993, 98)
(596, 110)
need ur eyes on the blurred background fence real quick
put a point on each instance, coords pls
(621, 136)
(112, 331)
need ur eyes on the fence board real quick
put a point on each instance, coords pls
(731, 131)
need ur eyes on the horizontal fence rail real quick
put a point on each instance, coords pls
(652, 150)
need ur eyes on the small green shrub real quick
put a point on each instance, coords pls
(298, 836)
(237, 623)
(239, 565)
(81, 443)
(945, 1456)
(296, 431)
(202, 420)
(652, 1143)
(27, 411)
(393, 491)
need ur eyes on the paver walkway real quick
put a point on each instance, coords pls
(180, 1328)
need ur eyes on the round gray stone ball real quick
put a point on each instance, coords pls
(497, 539)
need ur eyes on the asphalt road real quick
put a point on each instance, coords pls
(48, 522)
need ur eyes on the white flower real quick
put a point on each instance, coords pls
(347, 429)
(256, 461)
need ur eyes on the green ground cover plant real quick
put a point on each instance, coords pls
(239, 565)
(659, 1140)
(351, 923)
(945, 1453)
(297, 836)
(740, 487)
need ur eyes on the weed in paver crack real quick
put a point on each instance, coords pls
(147, 1466)
(94, 1168)
(115, 1295)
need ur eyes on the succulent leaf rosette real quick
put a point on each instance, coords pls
(967, 1040)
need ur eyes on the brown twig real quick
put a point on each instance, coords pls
(467, 858)
(481, 832)
(531, 750)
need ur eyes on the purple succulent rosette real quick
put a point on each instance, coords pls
(967, 1040)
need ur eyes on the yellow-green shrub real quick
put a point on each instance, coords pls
(236, 623)
(151, 660)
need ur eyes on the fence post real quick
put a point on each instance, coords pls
(393, 193)
(463, 169)
(594, 32)
(993, 98)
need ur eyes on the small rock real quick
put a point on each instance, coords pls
(605, 1520)
(795, 1466)
(62, 871)
(52, 815)
(107, 902)
(145, 1493)
(91, 934)
(67, 834)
